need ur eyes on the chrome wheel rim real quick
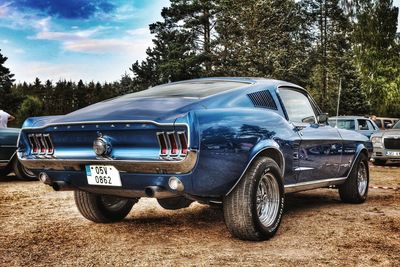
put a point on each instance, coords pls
(362, 179)
(267, 199)
(113, 203)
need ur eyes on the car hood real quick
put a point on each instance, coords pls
(391, 132)
(127, 109)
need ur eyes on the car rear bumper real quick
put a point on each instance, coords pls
(172, 166)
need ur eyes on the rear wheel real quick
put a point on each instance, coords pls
(355, 189)
(174, 203)
(23, 173)
(253, 210)
(102, 208)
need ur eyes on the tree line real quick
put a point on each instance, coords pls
(320, 45)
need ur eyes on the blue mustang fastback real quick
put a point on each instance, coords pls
(242, 142)
(8, 159)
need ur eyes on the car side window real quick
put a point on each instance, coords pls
(297, 105)
(386, 122)
(362, 125)
(371, 126)
(378, 123)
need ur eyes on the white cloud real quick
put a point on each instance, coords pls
(19, 51)
(65, 36)
(42, 24)
(4, 10)
(102, 46)
(139, 31)
(5, 41)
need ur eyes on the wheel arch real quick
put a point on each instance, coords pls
(267, 148)
(361, 150)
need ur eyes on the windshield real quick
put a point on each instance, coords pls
(397, 125)
(188, 89)
(343, 124)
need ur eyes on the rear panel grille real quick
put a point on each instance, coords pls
(262, 99)
(392, 143)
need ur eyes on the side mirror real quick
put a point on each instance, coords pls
(323, 118)
(389, 126)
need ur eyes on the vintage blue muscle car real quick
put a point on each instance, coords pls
(242, 142)
(8, 159)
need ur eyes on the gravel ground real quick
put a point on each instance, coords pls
(40, 227)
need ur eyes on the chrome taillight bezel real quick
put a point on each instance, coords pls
(41, 144)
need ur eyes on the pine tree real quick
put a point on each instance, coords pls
(8, 99)
(378, 55)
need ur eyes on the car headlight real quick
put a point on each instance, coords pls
(376, 140)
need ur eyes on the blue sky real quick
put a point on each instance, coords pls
(76, 39)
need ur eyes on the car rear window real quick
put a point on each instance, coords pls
(343, 124)
(196, 89)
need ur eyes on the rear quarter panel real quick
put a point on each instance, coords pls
(229, 138)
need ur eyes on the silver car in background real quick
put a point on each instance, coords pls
(386, 145)
(359, 124)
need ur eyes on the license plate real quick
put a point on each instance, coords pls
(393, 153)
(103, 175)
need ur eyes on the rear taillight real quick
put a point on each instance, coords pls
(172, 144)
(34, 144)
(163, 144)
(49, 144)
(41, 144)
(183, 141)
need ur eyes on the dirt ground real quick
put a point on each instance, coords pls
(40, 227)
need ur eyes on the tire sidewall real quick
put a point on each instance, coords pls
(363, 159)
(264, 168)
(113, 214)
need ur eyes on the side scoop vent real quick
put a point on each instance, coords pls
(262, 99)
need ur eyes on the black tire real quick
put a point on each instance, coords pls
(355, 188)
(379, 162)
(102, 208)
(174, 203)
(23, 173)
(240, 206)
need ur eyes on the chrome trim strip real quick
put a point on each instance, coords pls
(184, 165)
(8, 146)
(105, 122)
(303, 169)
(245, 169)
(313, 184)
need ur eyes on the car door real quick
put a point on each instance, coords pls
(365, 127)
(320, 145)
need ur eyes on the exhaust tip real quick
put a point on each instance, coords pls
(44, 178)
(149, 191)
(175, 184)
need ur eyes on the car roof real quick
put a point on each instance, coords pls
(248, 80)
(349, 117)
(387, 118)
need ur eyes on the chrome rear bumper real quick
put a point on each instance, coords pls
(184, 165)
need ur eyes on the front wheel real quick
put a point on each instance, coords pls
(355, 188)
(253, 210)
(102, 208)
